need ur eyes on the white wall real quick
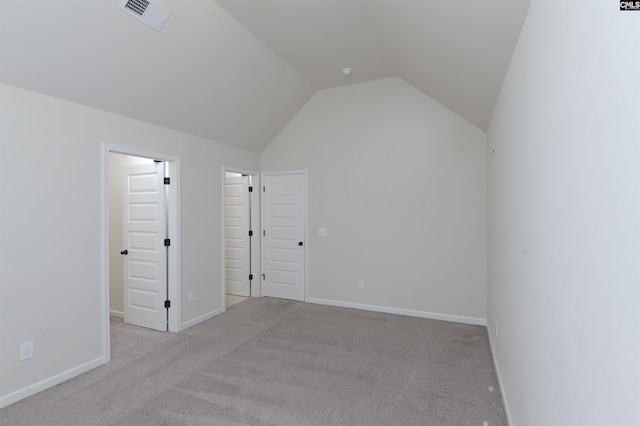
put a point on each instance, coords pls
(564, 218)
(399, 181)
(50, 224)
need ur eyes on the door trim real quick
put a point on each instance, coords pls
(256, 222)
(307, 239)
(174, 231)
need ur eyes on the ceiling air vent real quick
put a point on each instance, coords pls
(148, 12)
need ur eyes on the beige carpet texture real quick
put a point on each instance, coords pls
(277, 362)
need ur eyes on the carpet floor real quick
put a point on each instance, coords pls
(277, 362)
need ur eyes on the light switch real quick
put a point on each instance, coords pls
(322, 232)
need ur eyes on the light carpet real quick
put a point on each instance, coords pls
(277, 362)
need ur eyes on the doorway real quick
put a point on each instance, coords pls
(240, 236)
(116, 160)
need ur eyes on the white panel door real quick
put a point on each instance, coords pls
(237, 241)
(145, 262)
(284, 236)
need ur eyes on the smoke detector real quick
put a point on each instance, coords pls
(346, 72)
(151, 13)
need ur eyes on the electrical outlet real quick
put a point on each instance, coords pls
(26, 350)
(361, 284)
(192, 296)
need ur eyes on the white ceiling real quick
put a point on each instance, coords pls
(236, 72)
(456, 51)
(203, 74)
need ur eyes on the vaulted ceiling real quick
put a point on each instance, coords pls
(236, 71)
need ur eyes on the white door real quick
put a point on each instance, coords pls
(237, 241)
(284, 235)
(145, 259)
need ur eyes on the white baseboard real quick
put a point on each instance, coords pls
(202, 318)
(399, 311)
(50, 382)
(116, 314)
(505, 403)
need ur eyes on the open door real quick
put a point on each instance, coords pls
(237, 237)
(145, 266)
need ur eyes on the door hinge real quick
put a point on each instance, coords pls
(263, 277)
(264, 233)
(251, 189)
(250, 277)
(250, 233)
(167, 181)
(167, 242)
(167, 304)
(264, 189)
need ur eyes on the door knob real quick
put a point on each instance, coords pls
(125, 252)
(300, 243)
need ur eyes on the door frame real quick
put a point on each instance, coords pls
(173, 222)
(256, 223)
(307, 239)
